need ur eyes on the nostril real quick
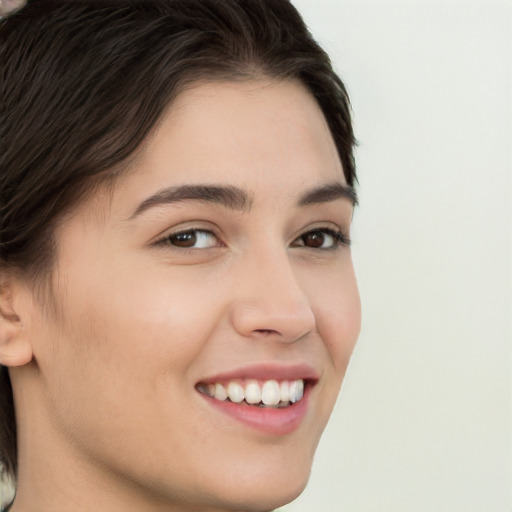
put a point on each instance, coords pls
(267, 316)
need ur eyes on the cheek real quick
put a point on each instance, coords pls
(338, 312)
(143, 329)
(121, 333)
(125, 352)
(146, 324)
(337, 309)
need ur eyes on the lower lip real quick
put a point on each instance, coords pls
(268, 420)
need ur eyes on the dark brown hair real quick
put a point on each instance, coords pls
(83, 83)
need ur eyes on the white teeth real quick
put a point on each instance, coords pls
(296, 390)
(270, 393)
(220, 392)
(252, 392)
(235, 392)
(284, 388)
(300, 392)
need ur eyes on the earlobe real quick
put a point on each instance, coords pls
(15, 347)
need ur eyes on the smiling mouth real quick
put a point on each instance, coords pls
(269, 393)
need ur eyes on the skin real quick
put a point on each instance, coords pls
(108, 414)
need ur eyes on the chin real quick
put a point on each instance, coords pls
(281, 497)
(267, 497)
(268, 487)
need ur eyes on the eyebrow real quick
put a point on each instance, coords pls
(229, 196)
(327, 193)
(239, 199)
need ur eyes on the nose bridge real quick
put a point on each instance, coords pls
(270, 299)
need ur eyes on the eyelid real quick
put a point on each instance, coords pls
(339, 234)
(163, 240)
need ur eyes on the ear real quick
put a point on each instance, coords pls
(15, 307)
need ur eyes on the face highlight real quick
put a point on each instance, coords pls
(209, 309)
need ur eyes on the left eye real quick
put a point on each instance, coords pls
(321, 239)
(193, 239)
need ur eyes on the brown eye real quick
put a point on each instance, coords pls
(314, 239)
(193, 239)
(323, 239)
(187, 239)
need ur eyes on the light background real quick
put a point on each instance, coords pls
(423, 423)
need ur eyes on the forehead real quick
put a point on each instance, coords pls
(252, 124)
(262, 136)
(239, 130)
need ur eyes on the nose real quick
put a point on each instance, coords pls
(270, 302)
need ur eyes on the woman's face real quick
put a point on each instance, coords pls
(218, 264)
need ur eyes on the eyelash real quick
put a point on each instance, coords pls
(339, 239)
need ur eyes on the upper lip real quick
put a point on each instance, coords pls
(267, 371)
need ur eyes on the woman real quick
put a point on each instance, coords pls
(178, 301)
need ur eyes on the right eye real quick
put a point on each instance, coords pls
(191, 239)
